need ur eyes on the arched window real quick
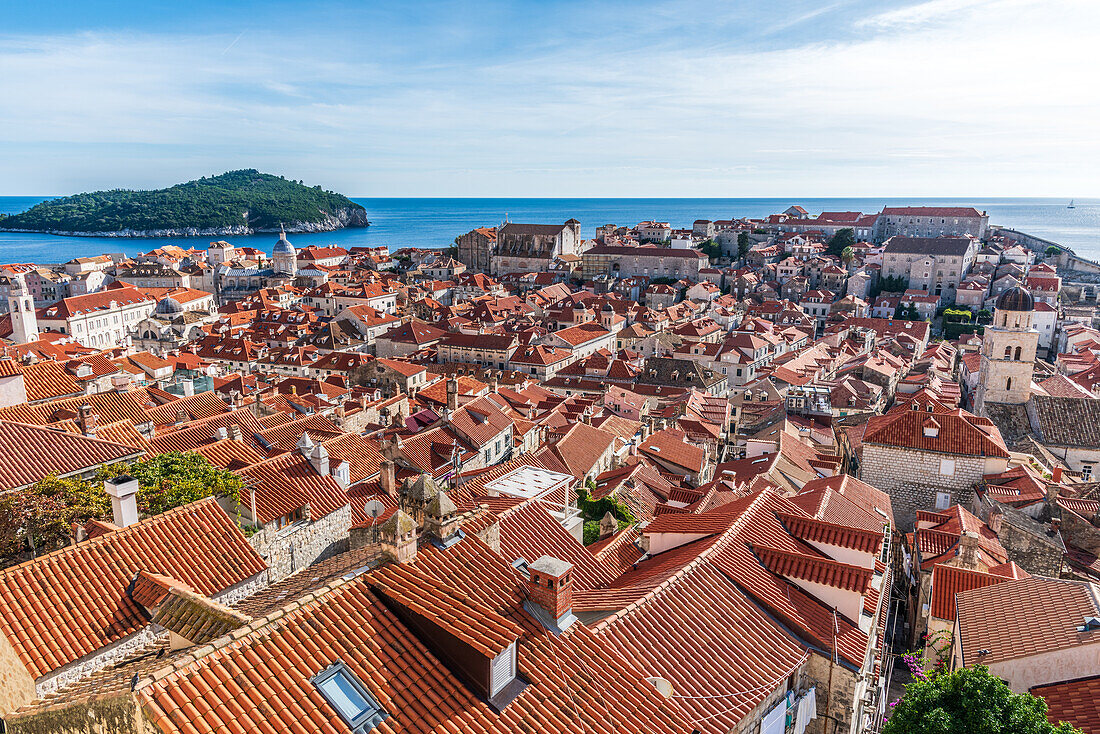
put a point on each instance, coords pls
(1017, 354)
(1008, 384)
(1008, 352)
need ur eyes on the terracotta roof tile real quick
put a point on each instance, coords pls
(69, 603)
(947, 581)
(1075, 701)
(1023, 617)
(32, 452)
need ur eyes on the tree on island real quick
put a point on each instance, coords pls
(845, 237)
(970, 701)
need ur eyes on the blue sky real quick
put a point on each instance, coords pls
(640, 98)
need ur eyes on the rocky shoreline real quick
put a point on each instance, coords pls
(342, 219)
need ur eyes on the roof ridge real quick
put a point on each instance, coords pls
(106, 537)
(854, 572)
(244, 631)
(682, 572)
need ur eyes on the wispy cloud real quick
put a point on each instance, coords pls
(899, 102)
(932, 11)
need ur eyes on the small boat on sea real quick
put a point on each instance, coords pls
(1070, 205)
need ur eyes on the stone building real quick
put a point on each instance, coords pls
(930, 221)
(527, 248)
(933, 264)
(926, 455)
(1008, 352)
(476, 248)
(624, 261)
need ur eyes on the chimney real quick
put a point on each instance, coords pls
(968, 550)
(319, 458)
(220, 434)
(995, 519)
(452, 393)
(550, 586)
(397, 536)
(442, 524)
(608, 525)
(181, 417)
(123, 491)
(342, 474)
(235, 431)
(388, 478)
(87, 420)
(305, 445)
(188, 387)
(1056, 474)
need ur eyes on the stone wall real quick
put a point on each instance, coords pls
(302, 544)
(16, 684)
(98, 660)
(750, 723)
(243, 590)
(835, 699)
(912, 479)
(1036, 554)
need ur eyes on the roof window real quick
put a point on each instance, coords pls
(347, 696)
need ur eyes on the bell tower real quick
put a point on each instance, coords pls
(24, 320)
(1008, 352)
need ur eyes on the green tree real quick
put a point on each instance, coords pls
(711, 249)
(744, 244)
(1053, 251)
(847, 256)
(969, 701)
(985, 316)
(173, 479)
(845, 237)
(39, 519)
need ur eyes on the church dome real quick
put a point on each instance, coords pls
(1015, 299)
(283, 246)
(169, 306)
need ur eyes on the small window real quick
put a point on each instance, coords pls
(1086, 472)
(943, 500)
(349, 698)
(947, 467)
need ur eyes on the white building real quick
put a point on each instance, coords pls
(100, 320)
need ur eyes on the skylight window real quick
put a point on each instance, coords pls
(349, 698)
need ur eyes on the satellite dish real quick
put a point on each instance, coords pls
(374, 508)
(663, 686)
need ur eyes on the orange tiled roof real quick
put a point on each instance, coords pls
(195, 407)
(1024, 617)
(947, 581)
(959, 432)
(818, 570)
(1074, 701)
(286, 483)
(69, 603)
(110, 406)
(575, 679)
(32, 452)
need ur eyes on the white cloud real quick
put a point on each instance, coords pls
(993, 102)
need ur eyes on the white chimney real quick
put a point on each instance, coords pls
(123, 493)
(319, 458)
(188, 387)
(342, 474)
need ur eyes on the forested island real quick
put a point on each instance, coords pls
(234, 203)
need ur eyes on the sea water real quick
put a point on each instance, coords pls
(399, 223)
